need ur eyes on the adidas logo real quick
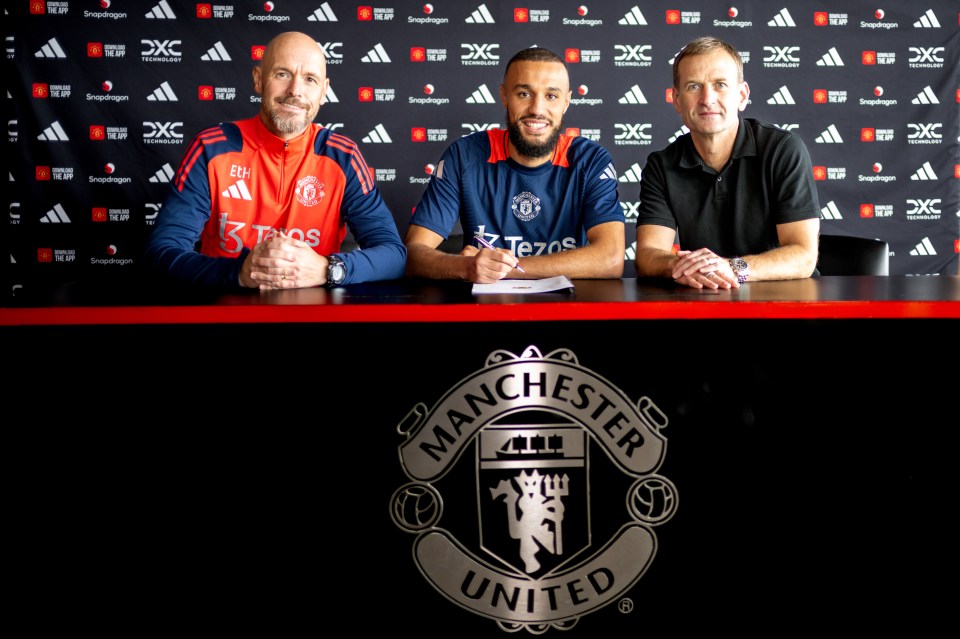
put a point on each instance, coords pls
(165, 174)
(481, 96)
(11, 50)
(51, 49)
(161, 12)
(633, 17)
(376, 54)
(54, 133)
(609, 173)
(323, 14)
(56, 215)
(216, 53)
(163, 93)
(830, 59)
(682, 131)
(480, 16)
(632, 174)
(633, 96)
(925, 172)
(782, 96)
(927, 21)
(925, 97)
(330, 97)
(782, 19)
(925, 247)
(830, 212)
(237, 191)
(830, 136)
(379, 135)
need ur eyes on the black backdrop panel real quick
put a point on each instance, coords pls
(814, 490)
(105, 95)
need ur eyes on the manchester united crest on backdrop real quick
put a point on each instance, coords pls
(502, 470)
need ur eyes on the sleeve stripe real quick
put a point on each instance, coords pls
(214, 134)
(359, 164)
(363, 174)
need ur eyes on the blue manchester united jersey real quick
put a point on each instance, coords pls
(530, 211)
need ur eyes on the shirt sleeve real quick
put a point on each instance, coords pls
(381, 254)
(171, 247)
(601, 196)
(654, 206)
(439, 206)
(796, 195)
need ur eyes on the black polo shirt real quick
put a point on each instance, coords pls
(768, 181)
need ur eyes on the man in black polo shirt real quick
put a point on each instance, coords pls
(738, 192)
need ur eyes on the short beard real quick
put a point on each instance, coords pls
(528, 149)
(288, 125)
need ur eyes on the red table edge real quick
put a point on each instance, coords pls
(393, 313)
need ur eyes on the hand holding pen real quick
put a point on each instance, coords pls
(484, 242)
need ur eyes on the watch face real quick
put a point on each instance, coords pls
(337, 272)
(740, 268)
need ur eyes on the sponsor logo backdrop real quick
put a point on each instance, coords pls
(105, 95)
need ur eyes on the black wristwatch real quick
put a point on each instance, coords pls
(336, 271)
(740, 268)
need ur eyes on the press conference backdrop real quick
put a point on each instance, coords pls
(105, 95)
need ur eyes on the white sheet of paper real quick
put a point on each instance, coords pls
(546, 285)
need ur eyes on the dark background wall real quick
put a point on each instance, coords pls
(103, 97)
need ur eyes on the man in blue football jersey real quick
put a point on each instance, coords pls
(546, 201)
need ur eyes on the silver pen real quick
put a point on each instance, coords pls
(480, 239)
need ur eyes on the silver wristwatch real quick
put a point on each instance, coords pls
(336, 271)
(740, 268)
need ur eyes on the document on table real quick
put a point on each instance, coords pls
(547, 285)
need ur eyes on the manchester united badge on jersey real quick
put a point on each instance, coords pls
(501, 471)
(526, 206)
(309, 191)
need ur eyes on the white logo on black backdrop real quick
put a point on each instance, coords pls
(534, 436)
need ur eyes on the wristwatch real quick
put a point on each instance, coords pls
(336, 271)
(740, 268)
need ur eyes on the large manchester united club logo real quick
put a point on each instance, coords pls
(502, 470)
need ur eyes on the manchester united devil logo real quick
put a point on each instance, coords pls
(517, 540)
(309, 191)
